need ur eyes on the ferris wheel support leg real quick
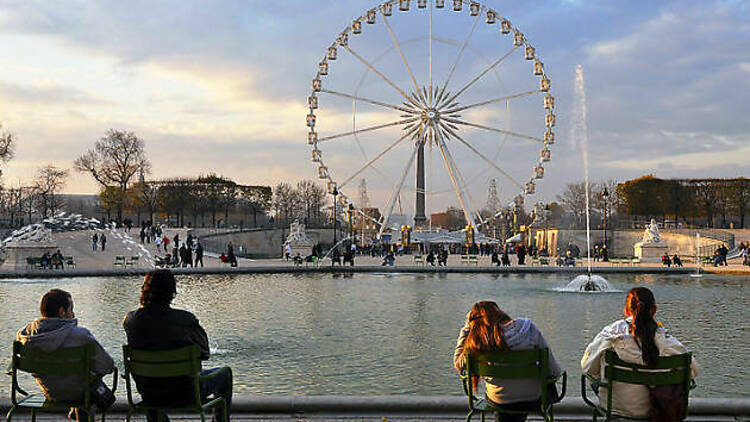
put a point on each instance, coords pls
(397, 190)
(467, 212)
(462, 182)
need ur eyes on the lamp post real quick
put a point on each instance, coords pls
(335, 194)
(547, 213)
(605, 195)
(351, 225)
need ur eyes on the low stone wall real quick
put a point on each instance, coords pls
(621, 241)
(258, 243)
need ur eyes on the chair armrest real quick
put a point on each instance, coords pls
(553, 380)
(212, 375)
(114, 380)
(590, 378)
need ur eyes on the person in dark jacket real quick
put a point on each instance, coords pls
(198, 253)
(157, 326)
(103, 241)
(58, 328)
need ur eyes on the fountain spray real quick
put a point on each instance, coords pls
(579, 135)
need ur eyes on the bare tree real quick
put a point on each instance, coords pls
(573, 199)
(311, 197)
(285, 201)
(47, 184)
(739, 198)
(7, 144)
(114, 162)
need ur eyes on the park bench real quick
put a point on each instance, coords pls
(518, 364)
(33, 263)
(473, 260)
(67, 361)
(669, 370)
(133, 262)
(69, 261)
(182, 362)
(119, 261)
(419, 260)
(464, 259)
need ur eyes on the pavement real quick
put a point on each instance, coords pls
(122, 243)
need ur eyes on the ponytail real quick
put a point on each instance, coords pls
(640, 302)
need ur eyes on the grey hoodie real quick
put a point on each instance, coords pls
(50, 334)
(519, 334)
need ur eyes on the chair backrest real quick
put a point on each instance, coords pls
(184, 361)
(510, 364)
(668, 370)
(69, 361)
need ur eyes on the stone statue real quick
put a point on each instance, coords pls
(297, 235)
(651, 247)
(651, 234)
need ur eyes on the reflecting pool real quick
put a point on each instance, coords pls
(394, 333)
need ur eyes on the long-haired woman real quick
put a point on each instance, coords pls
(639, 339)
(489, 329)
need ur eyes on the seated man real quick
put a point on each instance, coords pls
(157, 326)
(58, 328)
(57, 260)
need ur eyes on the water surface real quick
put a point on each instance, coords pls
(395, 333)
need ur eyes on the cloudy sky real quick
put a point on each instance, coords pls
(221, 86)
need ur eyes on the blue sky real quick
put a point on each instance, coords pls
(222, 85)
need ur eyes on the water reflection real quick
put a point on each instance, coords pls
(384, 333)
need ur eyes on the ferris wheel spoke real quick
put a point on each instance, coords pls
(430, 65)
(461, 180)
(448, 165)
(488, 102)
(397, 190)
(492, 129)
(478, 77)
(482, 156)
(367, 100)
(380, 155)
(377, 72)
(369, 129)
(461, 52)
(401, 52)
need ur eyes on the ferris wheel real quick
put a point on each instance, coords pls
(449, 92)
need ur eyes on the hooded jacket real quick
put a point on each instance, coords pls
(519, 334)
(628, 399)
(51, 334)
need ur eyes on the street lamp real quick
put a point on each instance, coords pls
(335, 194)
(351, 226)
(605, 251)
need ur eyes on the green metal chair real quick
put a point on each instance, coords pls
(519, 364)
(184, 361)
(669, 370)
(68, 361)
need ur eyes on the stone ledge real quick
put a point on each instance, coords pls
(416, 405)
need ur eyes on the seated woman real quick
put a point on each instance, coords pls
(489, 329)
(639, 339)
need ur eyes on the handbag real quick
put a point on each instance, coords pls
(668, 402)
(102, 396)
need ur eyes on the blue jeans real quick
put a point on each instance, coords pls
(220, 386)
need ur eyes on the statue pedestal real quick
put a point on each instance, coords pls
(302, 249)
(16, 254)
(650, 252)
